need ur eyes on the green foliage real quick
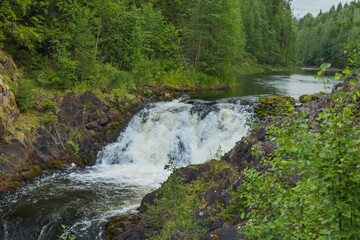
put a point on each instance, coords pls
(353, 52)
(49, 118)
(73, 142)
(4, 159)
(116, 44)
(311, 188)
(174, 212)
(326, 35)
(25, 96)
(65, 233)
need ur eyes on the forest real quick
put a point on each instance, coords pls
(109, 44)
(85, 70)
(323, 38)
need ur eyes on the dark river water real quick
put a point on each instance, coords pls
(291, 83)
(188, 132)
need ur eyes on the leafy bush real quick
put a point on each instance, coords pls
(174, 212)
(24, 96)
(312, 188)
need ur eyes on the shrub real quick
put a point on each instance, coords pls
(24, 96)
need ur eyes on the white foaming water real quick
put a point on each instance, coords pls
(173, 132)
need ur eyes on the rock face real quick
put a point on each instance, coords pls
(80, 126)
(8, 109)
(83, 124)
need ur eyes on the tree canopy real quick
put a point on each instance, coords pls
(64, 43)
(323, 38)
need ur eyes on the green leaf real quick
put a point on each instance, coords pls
(352, 82)
(304, 114)
(338, 76)
(325, 66)
(346, 71)
(314, 188)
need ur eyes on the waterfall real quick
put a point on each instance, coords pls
(176, 133)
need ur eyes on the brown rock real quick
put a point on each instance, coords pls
(113, 114)
(89, 99)
(148, 199)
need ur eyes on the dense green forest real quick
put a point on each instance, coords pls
(324, 37)
(109, 44)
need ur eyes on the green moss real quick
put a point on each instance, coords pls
(55, 164)
(13, 184)
(310, 97)
(274, 106)
(32, 173)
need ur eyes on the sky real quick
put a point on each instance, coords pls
(302, 7)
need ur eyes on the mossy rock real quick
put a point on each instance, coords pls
(55, 164)
(283, 100)
(275, 105)
(32, 173)
(310, 97)
(124, 225)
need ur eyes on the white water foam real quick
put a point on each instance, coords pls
(175, 132)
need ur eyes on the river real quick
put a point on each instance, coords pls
(185, 131)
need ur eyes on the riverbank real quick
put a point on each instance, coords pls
(46, 130)
(216, 200)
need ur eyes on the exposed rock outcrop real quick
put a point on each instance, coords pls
(8, 108)
(76, 131)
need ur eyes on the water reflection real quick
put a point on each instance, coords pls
(293, 84)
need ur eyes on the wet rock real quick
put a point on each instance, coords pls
(32, 173)
(131, 227)
(260, 134)
(310, 97)
(148, 199)
(245, 102)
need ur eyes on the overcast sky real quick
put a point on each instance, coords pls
(302, 7)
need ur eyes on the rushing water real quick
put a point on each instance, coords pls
(182, 132)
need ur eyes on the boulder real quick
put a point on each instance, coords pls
(147, 199)
(310, 97)
(130, 227)
(275, 105)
